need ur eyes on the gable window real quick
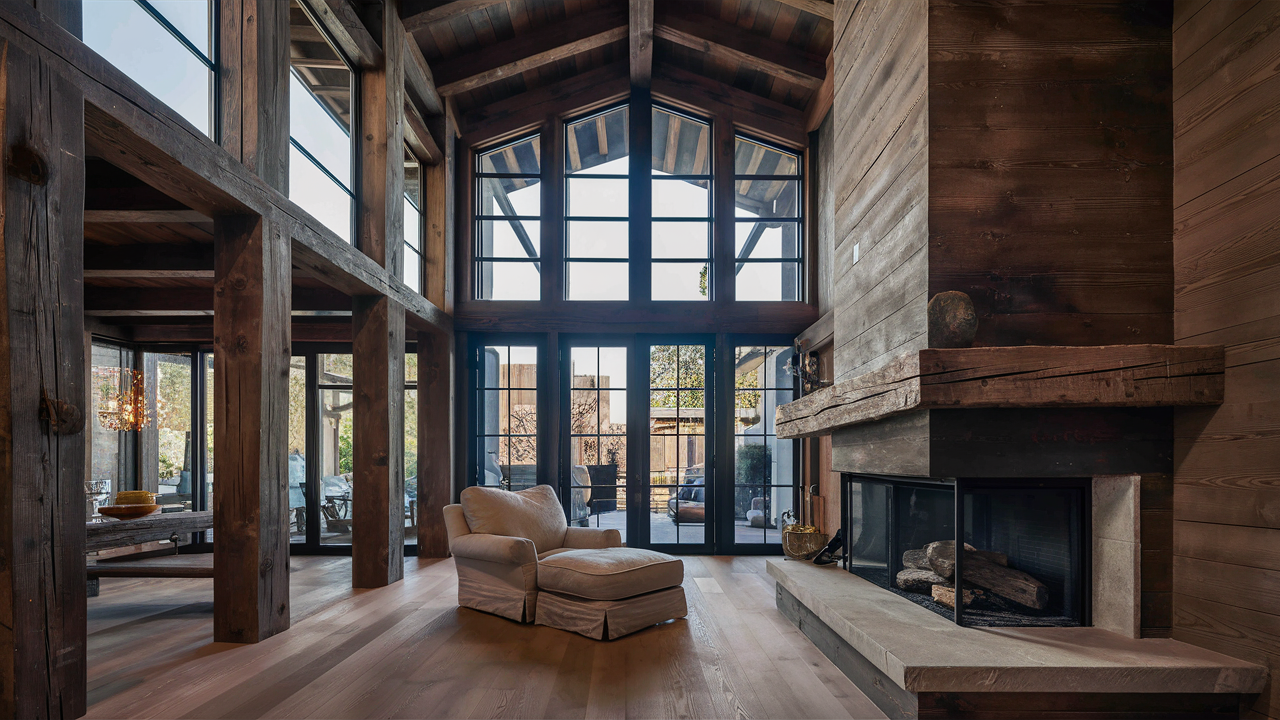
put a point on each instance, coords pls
(682, 207)
(508, 216)
(597, 207)
(767, 237)
(320, 112)
(412, 273)
(164, 45)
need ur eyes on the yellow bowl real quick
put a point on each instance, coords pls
(135, 497)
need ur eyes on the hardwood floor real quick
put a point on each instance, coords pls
(408, 651)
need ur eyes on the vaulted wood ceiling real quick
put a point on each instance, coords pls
(486, 51)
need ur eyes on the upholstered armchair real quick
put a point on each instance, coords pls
(498, 537)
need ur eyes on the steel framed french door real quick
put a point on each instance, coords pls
(675, 489)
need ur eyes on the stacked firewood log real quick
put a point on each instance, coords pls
(986, 577)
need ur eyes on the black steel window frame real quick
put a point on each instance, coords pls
(215, 126)
(656, 221)
(474, 411)
(479, 259)
(597, 343)
(797, 220)
(410, 251)
(728, 449)
(566, 218)
(352, 133)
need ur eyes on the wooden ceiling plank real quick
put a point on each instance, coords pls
(602, 137)
(419, 14)
(822, 8)
(673, 145)
(727, 42)
(575, 157)
(527, 52)
(641, 42)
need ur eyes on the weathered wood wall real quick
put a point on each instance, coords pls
(1051, 169)
(1226, 498)
(880, 268)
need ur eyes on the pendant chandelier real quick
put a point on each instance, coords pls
(122, 402)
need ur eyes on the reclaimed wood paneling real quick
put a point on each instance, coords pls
(880, 179)
(42, 391)
(1226, 501)
(1050, 169)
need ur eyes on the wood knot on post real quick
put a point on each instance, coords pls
(26, 164)
(953, 322)
(380, 460)
(63, 418)
(242, 343)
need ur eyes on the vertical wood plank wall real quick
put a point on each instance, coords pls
(881, 182)
(1051, 169)
(1226, 502)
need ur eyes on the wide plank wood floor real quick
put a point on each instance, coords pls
(408, 651)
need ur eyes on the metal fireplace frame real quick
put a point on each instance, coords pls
(959, 486)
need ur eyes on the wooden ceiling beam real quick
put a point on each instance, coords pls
(145, 216)
(343, 24)
(527, 52)
(528, 110)
(640, 22)
(419, 82)
(732, 44)
(822, 8)
(767, 118)
(143, 257)
(418, 136)
(418, 14)
(152, 301)
(820, 103)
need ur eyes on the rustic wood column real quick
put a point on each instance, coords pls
(435, 441)
(250, 428)
(377, 541)
(253, 77)
(438, 201)
(42, 392)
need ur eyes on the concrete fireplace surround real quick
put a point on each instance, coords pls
(915, 663)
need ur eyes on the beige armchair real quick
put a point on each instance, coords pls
(497, 539)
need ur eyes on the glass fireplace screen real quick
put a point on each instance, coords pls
(1025, 560)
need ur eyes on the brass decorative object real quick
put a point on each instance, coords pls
(801, 541)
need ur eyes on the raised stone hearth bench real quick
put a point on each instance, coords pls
(915, 664)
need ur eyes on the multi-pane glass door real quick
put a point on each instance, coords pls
(763, 467)
(678, 497)
(594, 479)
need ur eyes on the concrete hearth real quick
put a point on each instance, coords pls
(914, 663)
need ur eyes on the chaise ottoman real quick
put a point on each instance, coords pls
(610, 592)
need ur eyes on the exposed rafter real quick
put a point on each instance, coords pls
(419, 83)
(419, 138)
(342, 23)
(820, 103)
(418, 14)
(529, 109)
(641, 42)
(145, 216)
(770, 119)
(723, 41)
(526, 52)
(822, 8)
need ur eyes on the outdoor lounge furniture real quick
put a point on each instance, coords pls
(514, 551)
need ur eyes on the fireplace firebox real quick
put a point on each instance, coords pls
(1025, 559)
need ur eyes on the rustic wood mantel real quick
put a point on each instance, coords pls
(1013, 377)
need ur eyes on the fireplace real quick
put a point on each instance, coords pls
(1026, 561)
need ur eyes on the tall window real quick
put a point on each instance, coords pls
(337, 435)
(677, 444)
(682, 207)
(507, 409)
(164, 45)
(508, 214)
(767, 237)
(596, 206)
(412, 222)
(763, 466)
(320, 110)
(598, 437)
